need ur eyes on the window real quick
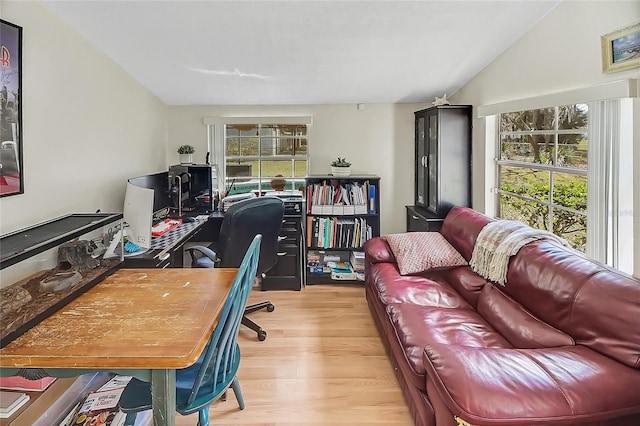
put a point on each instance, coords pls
(542, 170)
(258, 156)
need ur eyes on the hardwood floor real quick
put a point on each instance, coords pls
(322, 364)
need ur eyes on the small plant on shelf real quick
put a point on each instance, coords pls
(340, 167)
(186, 154)
(340, 162)
(186, 149)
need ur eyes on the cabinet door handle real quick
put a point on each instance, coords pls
(280, 238)
(281, 253)
(423, 161)
(414, 217)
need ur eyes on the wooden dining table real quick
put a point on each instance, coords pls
(146, 322)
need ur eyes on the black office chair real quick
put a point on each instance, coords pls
(242, 221)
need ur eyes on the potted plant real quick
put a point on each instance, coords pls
(186, 154)
(340, 167)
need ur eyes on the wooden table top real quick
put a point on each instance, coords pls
(136, 318)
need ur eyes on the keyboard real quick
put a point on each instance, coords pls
(161, 228)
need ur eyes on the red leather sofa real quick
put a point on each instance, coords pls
(450, 335)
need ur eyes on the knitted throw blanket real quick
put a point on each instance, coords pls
(498, 241)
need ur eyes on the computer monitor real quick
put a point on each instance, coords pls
(138, 215)
(159, 182)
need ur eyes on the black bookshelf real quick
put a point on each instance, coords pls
(342, 213)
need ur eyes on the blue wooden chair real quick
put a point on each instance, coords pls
(215, 371)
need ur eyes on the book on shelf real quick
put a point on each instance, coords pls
(10, 402)
(357, 261)
(20, 383)
(338, 232)
(353, 198)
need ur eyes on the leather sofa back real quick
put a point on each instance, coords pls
(596, 305)
(461, 228)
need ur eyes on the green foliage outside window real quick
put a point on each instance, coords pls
(555, 137)
(567, 224)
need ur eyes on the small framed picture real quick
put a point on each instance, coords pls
(621, 49)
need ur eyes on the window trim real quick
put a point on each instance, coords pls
(216, 139)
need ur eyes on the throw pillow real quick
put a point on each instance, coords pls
(417, 252)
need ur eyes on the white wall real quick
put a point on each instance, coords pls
(87, 125)
(562, 52)
(377, 140)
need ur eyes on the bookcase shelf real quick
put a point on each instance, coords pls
(342, 213)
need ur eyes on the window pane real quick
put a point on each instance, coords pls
(532, 213)
(526, 182)
(300, 168)
(272, 168)
(293, 130)
(272, 148)
(242, 170)
(521, 121)
(572, 151)
(268, 146)
(232, 148)
(249, 146)
(268, 130)
(572, 117)
(527, 148)
(246, 130)
(572, 227)
(570, 191)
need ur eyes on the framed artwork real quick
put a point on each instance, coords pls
(11, 173)
(621, 49)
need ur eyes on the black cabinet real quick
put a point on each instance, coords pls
(443, 158)
(422, 221)
(442, 164)
(286, 274)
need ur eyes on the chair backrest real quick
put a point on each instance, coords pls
(220, 351)
(243, 221)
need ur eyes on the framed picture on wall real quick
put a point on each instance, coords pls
(621, 49)
(11, 173)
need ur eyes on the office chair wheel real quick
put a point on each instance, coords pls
(262, 335)
(271, 307)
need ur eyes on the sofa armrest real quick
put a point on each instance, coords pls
(499, 386)
(376, 250)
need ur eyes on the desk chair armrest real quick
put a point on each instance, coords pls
(208, 257)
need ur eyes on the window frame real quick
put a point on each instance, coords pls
(217, 140)
(553, 168)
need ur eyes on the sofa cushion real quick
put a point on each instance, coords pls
(516, 324)
(466, 282)
(568, 385)
(416, 252)
(416, 289)
(416, 326)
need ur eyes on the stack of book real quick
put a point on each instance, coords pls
(341, 271)
(357, 263)
(20, 383)
(10, 402)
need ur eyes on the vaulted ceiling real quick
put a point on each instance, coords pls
(301, 52)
